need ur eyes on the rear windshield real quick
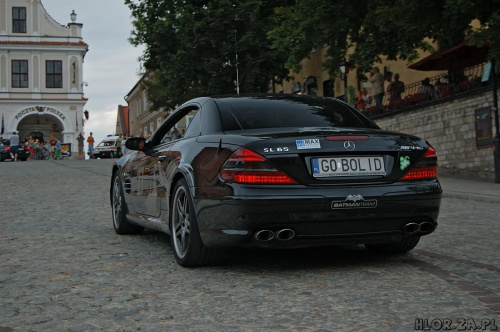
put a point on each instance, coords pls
(298, 112)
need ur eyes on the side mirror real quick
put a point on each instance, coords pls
(135, 143)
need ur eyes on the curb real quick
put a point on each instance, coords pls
(471, 196)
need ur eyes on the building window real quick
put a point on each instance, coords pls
(19, 73)
(19, 19)
(54, 74)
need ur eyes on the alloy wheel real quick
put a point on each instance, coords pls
(117, 202)
(181, 222)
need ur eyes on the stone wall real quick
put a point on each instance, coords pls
(450, 128)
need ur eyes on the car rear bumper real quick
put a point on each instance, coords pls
(371, 215)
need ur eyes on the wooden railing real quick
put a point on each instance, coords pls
(439, 88)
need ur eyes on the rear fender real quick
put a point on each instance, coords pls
(183, 172)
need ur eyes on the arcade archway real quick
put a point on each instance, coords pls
(40, 126)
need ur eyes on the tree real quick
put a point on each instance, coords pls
(368, 29)
(191, 47)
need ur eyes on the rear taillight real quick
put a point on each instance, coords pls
(246, 166)
(425, 169)
(7, 148)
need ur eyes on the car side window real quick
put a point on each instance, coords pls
(185, 123)
(193, 124)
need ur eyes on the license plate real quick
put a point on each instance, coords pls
(348, 166)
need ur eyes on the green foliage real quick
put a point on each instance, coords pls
(368, 29)
(489, 33)
(191, 47)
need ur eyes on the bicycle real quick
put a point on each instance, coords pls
(42, 154)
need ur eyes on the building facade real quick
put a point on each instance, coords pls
(313, 79)
(41, 67)
(122, 123)
(142, 122)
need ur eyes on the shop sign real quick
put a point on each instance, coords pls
(38, 110)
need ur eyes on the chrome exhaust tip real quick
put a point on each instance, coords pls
(285, 234)
(411, 228)
(426, 227)
(264, 235)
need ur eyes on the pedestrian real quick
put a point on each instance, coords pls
(52, 145)
(31, 144)
(119, 144)
(364, 100)
(14, 145)
(81, 141)
(57, 152)
(90, 141)
(377, 81)
(37, 150)
(428, 91)
(395, 89)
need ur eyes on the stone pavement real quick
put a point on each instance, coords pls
(478, 190)
(62, 268)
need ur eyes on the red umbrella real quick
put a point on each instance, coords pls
(452, 58)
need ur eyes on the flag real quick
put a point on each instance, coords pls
(3, 126)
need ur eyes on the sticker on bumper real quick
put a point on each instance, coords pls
(308, 144)
(354, 202)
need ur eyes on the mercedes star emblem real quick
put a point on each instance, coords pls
(349, 145)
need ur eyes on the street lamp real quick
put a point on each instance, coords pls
(344, 70)
(73, 16)
(86, 113)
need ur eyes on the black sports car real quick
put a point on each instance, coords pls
(23, 152)
(276, 171)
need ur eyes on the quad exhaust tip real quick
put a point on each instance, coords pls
(421, 228)
(264, 235)
(283, 234)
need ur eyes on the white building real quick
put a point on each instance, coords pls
(41, 83)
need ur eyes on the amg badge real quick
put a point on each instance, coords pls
(354, 202)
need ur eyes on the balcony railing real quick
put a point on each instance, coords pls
(439, 88)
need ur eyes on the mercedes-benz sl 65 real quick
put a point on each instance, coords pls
(275, 171)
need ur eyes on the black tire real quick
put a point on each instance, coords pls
(187, 244)
(119, 209)
(405, 245)
(112, 154)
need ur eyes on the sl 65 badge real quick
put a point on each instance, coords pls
(278, 149)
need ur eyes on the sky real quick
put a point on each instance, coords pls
(111, 66)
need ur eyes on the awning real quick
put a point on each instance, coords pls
(456, 57)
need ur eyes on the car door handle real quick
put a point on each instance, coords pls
(162, 158)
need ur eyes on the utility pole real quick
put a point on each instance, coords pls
(237, 73)
(496, 139)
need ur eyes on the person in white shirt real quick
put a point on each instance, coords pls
(14, 145)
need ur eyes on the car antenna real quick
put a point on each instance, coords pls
(237, 74)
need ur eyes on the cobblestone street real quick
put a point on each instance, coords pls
(63, 268)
